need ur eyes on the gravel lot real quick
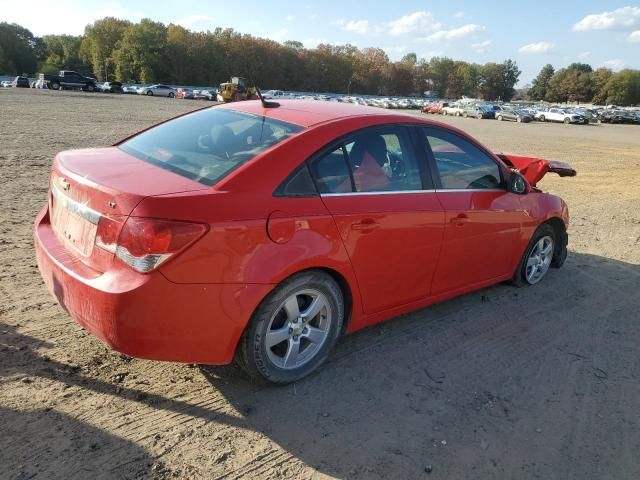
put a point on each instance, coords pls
(539, 382)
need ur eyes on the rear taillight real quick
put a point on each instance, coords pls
(145, 243)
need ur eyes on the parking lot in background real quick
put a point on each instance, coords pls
(537, 382)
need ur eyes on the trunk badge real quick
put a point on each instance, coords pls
(111, 204)
(65, 185)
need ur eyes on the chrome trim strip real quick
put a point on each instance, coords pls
(400, 192)
(393, 192)
(75, 207)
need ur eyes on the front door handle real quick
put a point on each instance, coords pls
(460, 220)
(366, 224)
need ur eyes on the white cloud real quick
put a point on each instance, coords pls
(357, 26)
(622, 18)
(289, 18)
(634, 36)
(280, 35)
(481, 47)
(614, 64)
(584, 54)
(313, 42)
(537, 48)
(419, 21)
(459, 14)
(195, 22)
(453, 34)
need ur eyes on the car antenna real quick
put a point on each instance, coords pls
(265, 103)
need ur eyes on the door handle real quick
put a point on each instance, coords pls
(367, 224)
(460, 220)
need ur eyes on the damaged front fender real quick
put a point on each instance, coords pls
(533, 168)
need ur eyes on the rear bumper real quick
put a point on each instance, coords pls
(147, 316)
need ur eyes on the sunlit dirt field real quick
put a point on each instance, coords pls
(540, 382)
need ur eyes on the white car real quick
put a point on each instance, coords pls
(5, 84)
(560, 115)
(158, 90)
(452, 109)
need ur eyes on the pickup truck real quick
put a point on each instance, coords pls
(560, 115)
(69, 79)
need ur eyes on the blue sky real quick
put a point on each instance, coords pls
(534, 33)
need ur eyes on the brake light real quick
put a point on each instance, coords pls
(145, 243)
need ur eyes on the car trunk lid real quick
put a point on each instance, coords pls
(87, 185)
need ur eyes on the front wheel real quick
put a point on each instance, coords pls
(293, 330)
(542, 119)
(55, 86)
(149, 93)
(171, 95)
(499, 118)
(537, 258)
(567, 121)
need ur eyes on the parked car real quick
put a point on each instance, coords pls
(478, 111)
(206, 94)
(513, 114)
(20, 82)
(560, 115)
(263, 234)
(131, 89)
(158, 90)
(112, 87)
(616, 116)
(434, 108)
(452, 109)
(67, 79)
(184, 93)
(5, 84)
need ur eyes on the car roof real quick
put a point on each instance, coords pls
(307, 113)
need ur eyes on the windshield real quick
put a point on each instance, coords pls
(209, 144)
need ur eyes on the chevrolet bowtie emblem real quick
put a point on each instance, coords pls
(65, 185)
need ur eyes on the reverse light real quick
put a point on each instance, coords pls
(145, 243)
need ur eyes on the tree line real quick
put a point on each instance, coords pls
(579, 82)
(148, 51)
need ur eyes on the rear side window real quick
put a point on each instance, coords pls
(373, 160)
(460, 164)
(209, 144)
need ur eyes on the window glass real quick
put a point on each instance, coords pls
(461, 164)
(331, 172)
(207, 145)
(382, 161)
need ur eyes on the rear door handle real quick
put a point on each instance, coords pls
(460, 220)
(367, 224)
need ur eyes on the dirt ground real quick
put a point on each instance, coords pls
(540, 382)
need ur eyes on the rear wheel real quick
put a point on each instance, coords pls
(519, 119)
(542, 119)
(55, 86)
(465, 115)
(171, 95)
(293, 329)
(537, 258)
(499, 118)
(479, 116)
(90, 87)
(567, 121)
(150, 93)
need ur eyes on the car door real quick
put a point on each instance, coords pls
(387, 214)
(482, 219)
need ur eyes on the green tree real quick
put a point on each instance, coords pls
(99, 43)
(141, 52)
(17, 49)
(622, 88)
(540, 84)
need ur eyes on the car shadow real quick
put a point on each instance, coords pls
(484, 385)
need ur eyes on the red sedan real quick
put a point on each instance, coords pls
(265, 233)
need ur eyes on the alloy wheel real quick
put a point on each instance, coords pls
(298, 329)
(539, 260)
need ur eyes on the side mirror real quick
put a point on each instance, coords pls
(517, 184)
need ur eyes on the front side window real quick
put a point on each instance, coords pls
(207, 145)
(461, 165)
(374, 160)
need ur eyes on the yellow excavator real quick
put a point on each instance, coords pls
(236, 90)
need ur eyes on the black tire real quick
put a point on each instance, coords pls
(542, 119)
(90, 87)
(171, 95)
(55, 86)
(149, 93)
(251, 354)
(465, 114)
(519, 119)
(519, 278)
(567, 121)
(499, 118)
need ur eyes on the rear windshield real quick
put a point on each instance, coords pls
(208, 145)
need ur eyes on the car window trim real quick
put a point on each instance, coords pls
(340, 142)
(426, 146)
